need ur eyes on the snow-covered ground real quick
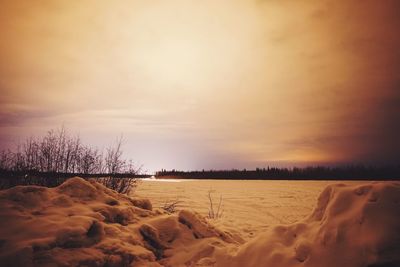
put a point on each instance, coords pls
(82, 223)
(249, 207)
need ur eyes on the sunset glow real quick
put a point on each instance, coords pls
(207, 84)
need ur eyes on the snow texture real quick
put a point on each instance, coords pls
(82, 223)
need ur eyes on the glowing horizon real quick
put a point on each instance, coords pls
(207, 84)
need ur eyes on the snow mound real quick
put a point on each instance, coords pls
(82, 223)
(351, 226)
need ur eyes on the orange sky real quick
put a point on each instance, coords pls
(207, 84)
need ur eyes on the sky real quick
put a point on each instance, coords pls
(210, 84)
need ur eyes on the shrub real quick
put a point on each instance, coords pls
(50, 160)
(212, 212)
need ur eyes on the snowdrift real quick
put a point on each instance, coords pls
(351, 226)
(82, 223)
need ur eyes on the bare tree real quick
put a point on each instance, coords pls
(57, 153)
(30, 151)
(113, 160)
(5, 160)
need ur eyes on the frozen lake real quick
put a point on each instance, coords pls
(248, 206)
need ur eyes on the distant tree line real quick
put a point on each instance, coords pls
(50, 159)
(349, 172)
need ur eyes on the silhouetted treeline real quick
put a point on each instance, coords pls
(351, 172)
(57, 156)
(59, 152)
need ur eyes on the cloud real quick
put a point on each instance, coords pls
(249, 82)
